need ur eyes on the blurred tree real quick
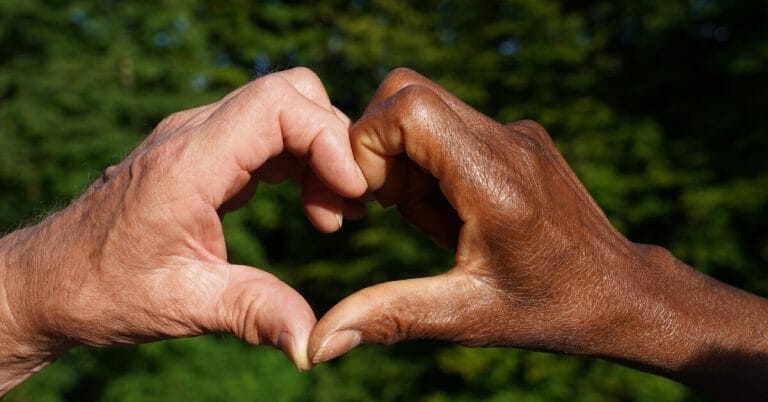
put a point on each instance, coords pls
(657, 105)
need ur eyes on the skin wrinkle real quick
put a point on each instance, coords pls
(116, 302)
(251, 306)
(197, 280)
(13, 243)
(80, 291)
(224, 119)
(659, 324)
(293, 142)
(504, 195)
(422, 118)
(556, 159)
(418, 116)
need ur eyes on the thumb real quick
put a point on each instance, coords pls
(423, 308)
(261, 309)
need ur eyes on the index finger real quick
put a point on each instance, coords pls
(266, 117)
(401, 78)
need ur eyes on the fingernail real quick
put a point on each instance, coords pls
(285, 342)
(340, 218)
(336, 345)
(361, 176)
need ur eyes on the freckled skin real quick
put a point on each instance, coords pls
(538, 265)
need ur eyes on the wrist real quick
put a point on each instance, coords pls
(647, 323)
(670, 319)
(24, 347)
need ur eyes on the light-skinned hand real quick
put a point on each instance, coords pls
(140, 256)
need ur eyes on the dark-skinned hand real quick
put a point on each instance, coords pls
(538, 265)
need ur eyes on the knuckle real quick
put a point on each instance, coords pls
(260, 95)
(416, 99)
(142, 164)
(155, 159)
(402, 73)
(530, 145)
(416, 106)
(308, 84)
(109, 173)
(172, 121)
(306, 75)
(398, 78)
(384, 325)
(273, 85)
(531, 125)
(531, 129)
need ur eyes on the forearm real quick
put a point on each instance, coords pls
(687, 326)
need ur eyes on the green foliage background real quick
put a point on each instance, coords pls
(658, 105)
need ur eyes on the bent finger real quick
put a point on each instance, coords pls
(324, 208)
(270, 116)
(416, 122)
(402, 77)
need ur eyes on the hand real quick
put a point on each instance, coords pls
(535, 256)
(538, 265)
(140, 256)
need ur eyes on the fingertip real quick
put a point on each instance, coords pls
(297, 351)
(354, 183)
(324, 209)
(335, 345)
(332, 161)
(323, 218)
(293, 338)
(262, 310)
